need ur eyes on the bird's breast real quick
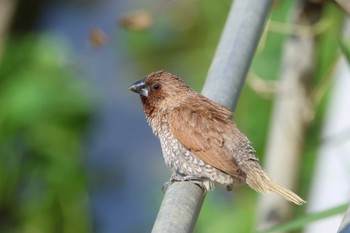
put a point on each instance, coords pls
(182, 161)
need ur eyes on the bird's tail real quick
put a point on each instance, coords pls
(258, 180)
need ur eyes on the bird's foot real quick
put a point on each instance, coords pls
(203, 183)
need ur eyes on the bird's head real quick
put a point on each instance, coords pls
(160, 90)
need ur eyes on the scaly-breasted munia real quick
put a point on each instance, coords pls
(200, 142)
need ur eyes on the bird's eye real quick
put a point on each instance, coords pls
(155, 87)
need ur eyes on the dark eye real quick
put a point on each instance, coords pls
(156, 87)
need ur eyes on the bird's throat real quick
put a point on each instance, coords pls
(148, 109)
(143, 99)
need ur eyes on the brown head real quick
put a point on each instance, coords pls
(161, 90)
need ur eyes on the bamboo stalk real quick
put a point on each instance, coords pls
(291, 114)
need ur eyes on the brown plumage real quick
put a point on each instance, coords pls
(199, 140)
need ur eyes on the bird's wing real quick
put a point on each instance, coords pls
(205, 133)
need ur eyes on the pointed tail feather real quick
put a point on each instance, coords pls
(261, 182)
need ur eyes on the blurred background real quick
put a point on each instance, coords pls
(76, 153)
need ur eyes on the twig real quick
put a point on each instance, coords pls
(302, 30)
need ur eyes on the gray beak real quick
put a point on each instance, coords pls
(140, 88)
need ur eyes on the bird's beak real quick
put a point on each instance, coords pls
(140, 88)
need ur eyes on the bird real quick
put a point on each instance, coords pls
(200, 142)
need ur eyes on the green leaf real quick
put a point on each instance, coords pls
(345, 49)
(307, 219)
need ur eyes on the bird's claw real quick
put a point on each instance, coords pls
(166, 185)
(194, 180)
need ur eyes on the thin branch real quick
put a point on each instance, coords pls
(302, 30)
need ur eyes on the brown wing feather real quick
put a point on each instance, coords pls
(200, 128)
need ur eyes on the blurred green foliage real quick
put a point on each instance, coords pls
(328, 40)
(345, 49)
(43, 113)
(44, 110)
(300, 222)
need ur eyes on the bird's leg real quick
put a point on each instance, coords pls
(203, 183)
(229, 187)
